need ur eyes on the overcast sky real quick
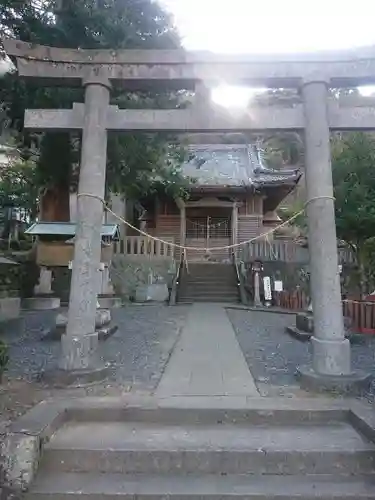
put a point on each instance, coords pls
(273, 25)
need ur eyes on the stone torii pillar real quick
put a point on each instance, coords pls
(79, 345)
(331, 368)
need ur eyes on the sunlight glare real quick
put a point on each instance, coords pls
(367, 91)
(233, 96)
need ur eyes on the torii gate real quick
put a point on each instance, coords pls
(313, 74)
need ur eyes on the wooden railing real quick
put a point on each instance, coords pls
(142, 247)
(292, 301)
(360, 313)
(284, 251)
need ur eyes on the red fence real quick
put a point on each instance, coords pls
(360, 313)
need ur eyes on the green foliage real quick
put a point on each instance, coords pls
(19, 186)
(283, 149)
(10, 279)
(300, 221)
(4, 356)
(353, 166)
(134, 161)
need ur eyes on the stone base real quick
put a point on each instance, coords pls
(152, 293)
(354, 338)
(10, 308)
(102, 318)
(298, 334)
(304, 328)
(55, 334)
(75, 378)
(102, 328)
(41, 303)
(106, 332)
(305, 322)
(109, 302)
(343, 384)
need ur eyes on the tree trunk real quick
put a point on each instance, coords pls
(55, 205)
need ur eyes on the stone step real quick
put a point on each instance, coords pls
(210, 279)
(208, 288)
(78, 486)
(209, 266)
(208, 291)
(211, 274)
(224, 271)
(208, 298)
(214, 280)
(153, 448)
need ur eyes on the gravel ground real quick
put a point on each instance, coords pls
(137, 352)
(273, 355)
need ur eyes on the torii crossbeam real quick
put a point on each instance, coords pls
(313, 74)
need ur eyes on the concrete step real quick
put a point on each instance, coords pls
(154, 448)
(78, 486)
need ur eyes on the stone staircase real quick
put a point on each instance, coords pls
(208, 282)
(181, 454)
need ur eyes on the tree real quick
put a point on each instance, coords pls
(18, 186)
(295, 211)
(18, 195)
(353, 166)
(134, 161)
(283, 149)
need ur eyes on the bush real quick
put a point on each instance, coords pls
(4, 357)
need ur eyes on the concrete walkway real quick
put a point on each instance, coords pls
(207, 360)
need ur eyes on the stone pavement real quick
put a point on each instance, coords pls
(207, 360)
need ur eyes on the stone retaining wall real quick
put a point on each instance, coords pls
(128, 274)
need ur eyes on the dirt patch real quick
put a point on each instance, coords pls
(19, 396)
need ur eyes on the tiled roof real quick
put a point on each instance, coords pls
(67, 229)
(233, 165)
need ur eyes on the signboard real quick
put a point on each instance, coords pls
(267, 288)
(278, 286)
